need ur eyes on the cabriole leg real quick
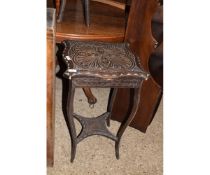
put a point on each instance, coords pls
(128, 121)
(72, 128)
(112, 96)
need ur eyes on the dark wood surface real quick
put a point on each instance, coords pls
(50, 85)
(113, 62)
(139, 35)
(107, 22)
(156, 58)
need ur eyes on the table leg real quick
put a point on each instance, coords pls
(128, 121)
(112, 96)
(72, 128)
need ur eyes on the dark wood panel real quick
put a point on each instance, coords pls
(139, 35)
(156, 58)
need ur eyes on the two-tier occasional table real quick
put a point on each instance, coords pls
(104, 65)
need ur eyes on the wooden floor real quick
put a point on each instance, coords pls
(107, 23)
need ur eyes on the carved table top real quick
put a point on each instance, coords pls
(106, 61)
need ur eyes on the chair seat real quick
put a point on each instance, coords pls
(108, 63)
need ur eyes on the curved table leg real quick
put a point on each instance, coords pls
(91, 99)
(128, 121)
(60, 6)
(71, 120)
(112, 96)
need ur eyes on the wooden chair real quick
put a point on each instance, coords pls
(142, 41)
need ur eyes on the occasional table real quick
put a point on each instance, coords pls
(104, 65)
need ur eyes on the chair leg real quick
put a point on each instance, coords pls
(57, 6)
(86, 9)
(71, 120)
(60, 6)
(128, 121)
(112, 96)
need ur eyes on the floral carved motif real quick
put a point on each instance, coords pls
(103, 60)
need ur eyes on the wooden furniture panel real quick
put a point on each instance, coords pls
(139, 35)
(156, 58)
(50, 84)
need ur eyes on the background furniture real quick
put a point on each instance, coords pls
(107, 24)
(51, 17)
(86, 7)
(60, 6)
(100, 64)
(140, 36)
